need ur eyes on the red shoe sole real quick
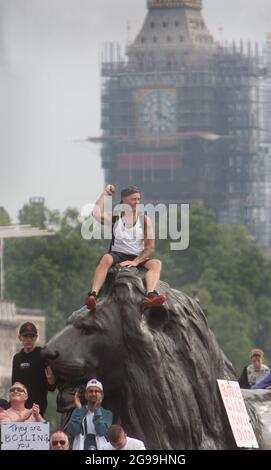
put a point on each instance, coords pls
(155, 302)
(91, 303)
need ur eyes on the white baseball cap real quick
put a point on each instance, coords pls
(94, 383)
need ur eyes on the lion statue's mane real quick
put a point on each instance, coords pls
(159, 367)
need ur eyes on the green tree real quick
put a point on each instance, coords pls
(33, 214)
(233, 273)
(4, 217)
(52, 273)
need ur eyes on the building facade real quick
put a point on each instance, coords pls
(181, 117)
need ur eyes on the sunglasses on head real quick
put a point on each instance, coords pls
(17, 389)
(61, 441)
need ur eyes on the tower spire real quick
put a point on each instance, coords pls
(196, 4)
(171, 26)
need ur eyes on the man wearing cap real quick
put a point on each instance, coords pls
(28, 367)
(88, 424)
(132, 245)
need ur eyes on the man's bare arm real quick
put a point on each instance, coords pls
(149, 243)
(98, 211)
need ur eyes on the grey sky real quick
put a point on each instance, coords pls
(50, 88)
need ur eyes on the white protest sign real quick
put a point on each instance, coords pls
(237, 413)
(25, 436)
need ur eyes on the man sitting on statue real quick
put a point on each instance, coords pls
(132, 245)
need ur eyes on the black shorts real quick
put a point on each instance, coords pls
(120, 257)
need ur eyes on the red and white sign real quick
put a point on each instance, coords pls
(237, 414)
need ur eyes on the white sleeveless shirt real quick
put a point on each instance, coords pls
(128, 240)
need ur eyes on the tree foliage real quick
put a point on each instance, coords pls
(35, 215)
(4, 217)
(52, 273)
(232, 276)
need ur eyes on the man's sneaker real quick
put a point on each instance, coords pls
(91, 300)
(153, 299)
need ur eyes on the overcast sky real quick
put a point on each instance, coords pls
(50, 88)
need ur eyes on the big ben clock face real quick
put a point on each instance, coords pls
(156, 114)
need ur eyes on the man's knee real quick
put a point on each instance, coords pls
(155, 264)
(106, 261)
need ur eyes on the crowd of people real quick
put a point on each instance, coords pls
(132, 246)
(90, 426)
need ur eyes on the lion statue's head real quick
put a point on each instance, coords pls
(158, 367)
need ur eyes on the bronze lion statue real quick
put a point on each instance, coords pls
(258, 405)
(158, 367)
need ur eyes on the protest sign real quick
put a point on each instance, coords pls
(25, 436)
(237, 414)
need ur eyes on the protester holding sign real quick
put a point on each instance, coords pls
(18, 412)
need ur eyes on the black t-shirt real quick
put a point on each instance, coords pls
(29, 369)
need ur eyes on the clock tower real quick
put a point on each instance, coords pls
(180, 114)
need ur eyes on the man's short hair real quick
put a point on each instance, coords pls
(65, 436)
(20, 383)
(128, 191)
(256, 352)
(114, 433)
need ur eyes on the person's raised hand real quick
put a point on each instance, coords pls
(77, 400)
(35, 410)
(98, 400)
(110, 189)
